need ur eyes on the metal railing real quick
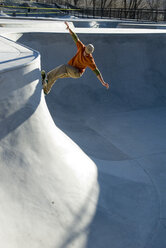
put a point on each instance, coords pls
(42, 11)
(121, 13)
(154, 15)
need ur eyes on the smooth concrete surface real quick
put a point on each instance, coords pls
(142, 25)
(48, 185)
(14, 55)
(107, 188)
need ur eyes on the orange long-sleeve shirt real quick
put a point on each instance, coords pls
(80, 61)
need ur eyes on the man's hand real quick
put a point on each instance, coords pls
(106, 85)
(67, 25)
(102, 81)
(74, 36)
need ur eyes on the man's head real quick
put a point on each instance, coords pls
(89, 49)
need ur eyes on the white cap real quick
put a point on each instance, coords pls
(89, 48)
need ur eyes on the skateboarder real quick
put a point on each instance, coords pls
(75, 67)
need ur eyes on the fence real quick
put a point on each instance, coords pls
(155, 15)
(121, 13)
(35, 11)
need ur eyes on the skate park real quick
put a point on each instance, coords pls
(83, 166)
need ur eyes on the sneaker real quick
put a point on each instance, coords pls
(44, 82)
(43, 74)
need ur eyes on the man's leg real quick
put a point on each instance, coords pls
(62, 71)
(73, 72)
(53, 75)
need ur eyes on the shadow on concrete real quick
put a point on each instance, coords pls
(13, 121)
(125, 214)
(15, 59)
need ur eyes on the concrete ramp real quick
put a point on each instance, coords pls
(48, 186)
(107, 188)
(122, 130)
(134, 65)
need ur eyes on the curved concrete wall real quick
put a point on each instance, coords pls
(122, 130)
(48, 186)
(134, 64)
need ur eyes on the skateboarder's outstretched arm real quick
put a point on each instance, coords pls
(99, 76)
(102, 81)
(74, 36)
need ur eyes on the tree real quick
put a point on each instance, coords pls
(93, 2)
(86, 3)
(103, 3)
(76, 2)
(112, 4)
(131, 6)
(135, 4)
(154, 4)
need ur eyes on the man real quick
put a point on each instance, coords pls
(75, 67)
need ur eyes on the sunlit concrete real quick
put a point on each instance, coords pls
(48, 185)
(142, 25)
(115, 171)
